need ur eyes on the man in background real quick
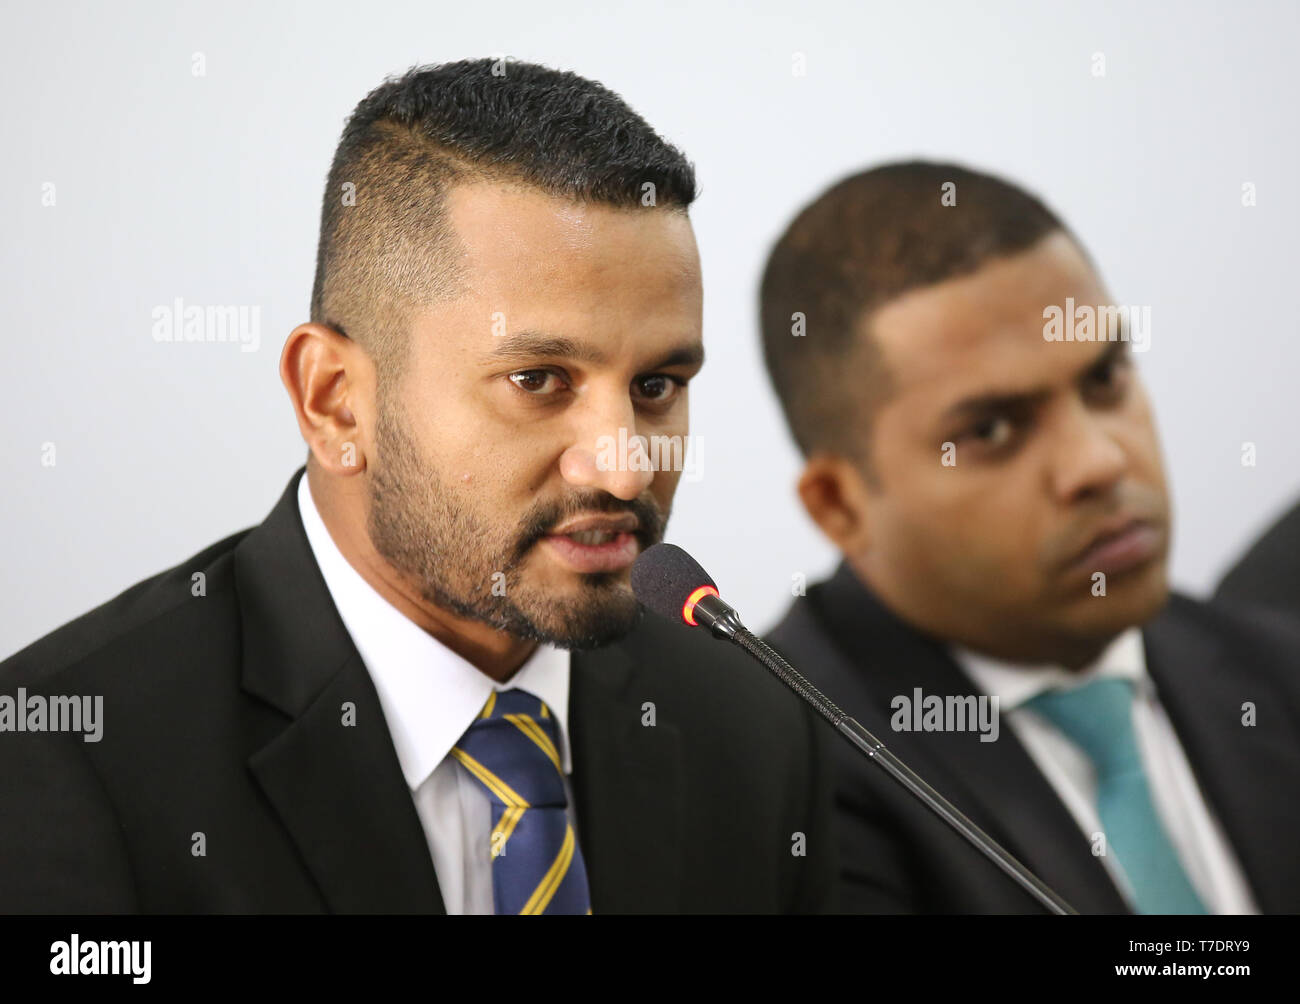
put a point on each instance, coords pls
(989, 468)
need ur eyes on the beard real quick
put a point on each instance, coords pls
(462, 563)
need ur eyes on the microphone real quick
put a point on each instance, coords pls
(669, 582)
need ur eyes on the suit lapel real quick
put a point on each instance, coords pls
(997, 784)
(337, 788)
(1008, 795)
(627, 780)
(1250, 775)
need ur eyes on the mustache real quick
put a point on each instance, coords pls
(539, 521)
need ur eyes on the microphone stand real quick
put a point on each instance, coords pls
(723, 621)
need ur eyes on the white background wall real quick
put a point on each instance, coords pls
(209, 189)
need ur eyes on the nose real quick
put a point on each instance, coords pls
(606, 452)
(1088, 459)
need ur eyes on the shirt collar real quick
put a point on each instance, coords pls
(1016, 683)
(428, 693)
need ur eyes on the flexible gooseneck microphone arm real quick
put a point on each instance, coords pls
(670, 582)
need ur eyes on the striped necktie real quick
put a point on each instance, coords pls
(512, 750)
(1098, 717)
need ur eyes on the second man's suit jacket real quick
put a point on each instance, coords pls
(1268, 575)
(896, 857)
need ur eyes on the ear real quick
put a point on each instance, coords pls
(835, 494)
(331, 382)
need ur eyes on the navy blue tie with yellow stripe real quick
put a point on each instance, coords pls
(512, 750)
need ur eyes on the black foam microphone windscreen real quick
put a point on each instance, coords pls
(664, 577)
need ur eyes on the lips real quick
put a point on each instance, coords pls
(597, 543)
(1123, 544)
(605, 523)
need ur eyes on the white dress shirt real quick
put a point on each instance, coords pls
(1195, 833)
(429, 696)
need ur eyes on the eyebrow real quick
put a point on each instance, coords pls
(1013, 399)
(528, 345)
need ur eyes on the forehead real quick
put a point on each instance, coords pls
(518, 238)
(984, 331)
(620, 283)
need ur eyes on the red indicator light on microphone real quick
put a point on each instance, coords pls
(688, 608)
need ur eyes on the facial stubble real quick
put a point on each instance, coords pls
(461, 563)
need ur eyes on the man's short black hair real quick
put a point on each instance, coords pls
(865, 241)
(385, 245)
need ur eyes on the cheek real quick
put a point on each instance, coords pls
(974, 527)
(1143, 424)
(664, 487)
(1134, 427)
(496, 483)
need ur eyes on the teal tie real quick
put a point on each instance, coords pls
(1098, 717)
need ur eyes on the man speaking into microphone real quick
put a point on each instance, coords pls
(421, 685)
(980, 449)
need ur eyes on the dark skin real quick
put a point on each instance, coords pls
(602, 313)
(1055, 443)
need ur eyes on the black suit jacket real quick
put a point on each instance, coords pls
(897, 857)
(1269, 573)
(223, 717)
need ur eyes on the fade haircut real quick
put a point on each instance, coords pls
(865, 241)
(386, 247)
